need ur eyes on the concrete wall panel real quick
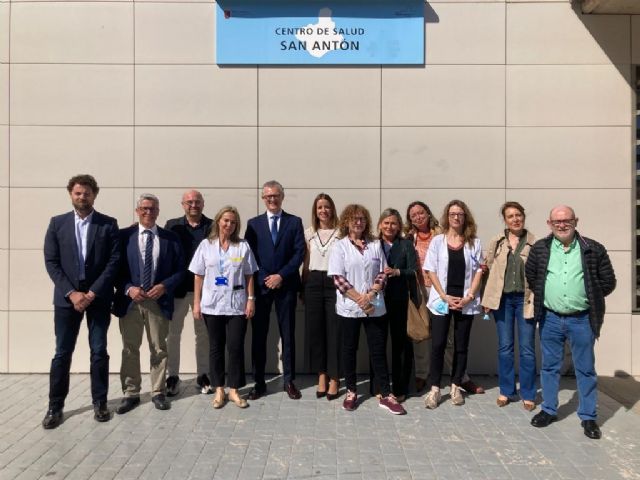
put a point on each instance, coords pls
(72, 32)
(202, 157)
(436, 157)
(443, 95)
(71, 94)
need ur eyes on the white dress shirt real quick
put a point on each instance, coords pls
(82, 230)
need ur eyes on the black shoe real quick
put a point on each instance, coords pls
(258, 390)
(101, 413)
(320, 394)
(292, 391)
(333, 396)
(127, 404)
(204, 385)
(591, 429)
(543, 419)
(160, 402)
(172, 385)
(52, 419)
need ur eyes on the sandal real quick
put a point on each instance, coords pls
(219, 400)
(529, 405)
(502, 401)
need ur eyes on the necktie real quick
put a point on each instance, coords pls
(274, 228)
(148, 261)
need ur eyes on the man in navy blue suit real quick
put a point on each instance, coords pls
(277, 241)
(150, 270)
(81, 255)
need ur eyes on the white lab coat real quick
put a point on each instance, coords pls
(437, 260)
(236, 262)
(360, 270)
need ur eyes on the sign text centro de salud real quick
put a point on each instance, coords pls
(281, 32)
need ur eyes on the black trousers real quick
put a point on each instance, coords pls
(461, 334)
(401, 346)
(323, 328)
(67, 325)
(285, 302)
(229, 331)
(375, 329)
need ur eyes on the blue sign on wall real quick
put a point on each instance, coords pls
(315, 32)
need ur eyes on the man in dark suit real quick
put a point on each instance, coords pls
(150, 270)
(81, 255)
(277, 241)
(191, 228)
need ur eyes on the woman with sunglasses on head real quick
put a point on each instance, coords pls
(323, 330)
(420, 228)
(453, 265)
(509, 297)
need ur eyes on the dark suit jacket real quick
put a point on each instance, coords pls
(189, 239)
(101, 264)
(283, 258)
(168, 272)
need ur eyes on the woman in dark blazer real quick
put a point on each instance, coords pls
(401, 281)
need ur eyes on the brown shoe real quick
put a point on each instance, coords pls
(471, 388)
(528, 405)
(238, 400)
(502, 401)
(219, 400)
(292, 391)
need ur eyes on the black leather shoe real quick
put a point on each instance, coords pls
(127, 404)
(591, 429)
(52, 419)
(292, 391)
(543, 419)
(161, 402)
(101, 413)
(333, 396)
(258, 390)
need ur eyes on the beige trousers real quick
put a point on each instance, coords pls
(143, 316)
(181, 309)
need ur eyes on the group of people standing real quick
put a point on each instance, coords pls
(354, 274)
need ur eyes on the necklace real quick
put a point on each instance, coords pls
(323, 247)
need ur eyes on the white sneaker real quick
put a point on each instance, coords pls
(456, 395)
(433, 398)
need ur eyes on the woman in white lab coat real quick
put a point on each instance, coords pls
(453, 263)
(224, 299)
(357, 266)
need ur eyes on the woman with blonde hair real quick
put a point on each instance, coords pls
(223, 296)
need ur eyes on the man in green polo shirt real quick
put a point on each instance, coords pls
(570, 275)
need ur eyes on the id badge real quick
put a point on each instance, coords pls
(222, 281)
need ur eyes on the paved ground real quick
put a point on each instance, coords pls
(280, 438)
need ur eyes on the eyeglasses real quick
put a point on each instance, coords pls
(559, 223)
(456, 214)
(148, 209)
(271, 197)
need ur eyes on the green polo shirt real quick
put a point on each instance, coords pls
(564, 286)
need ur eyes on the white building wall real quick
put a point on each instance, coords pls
(529, 101)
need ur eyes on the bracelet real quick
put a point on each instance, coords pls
(251, 297)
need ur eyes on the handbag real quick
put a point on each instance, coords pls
(418, 320)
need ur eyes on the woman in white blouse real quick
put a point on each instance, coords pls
(223, 297)
(323, 332)
(453, 263)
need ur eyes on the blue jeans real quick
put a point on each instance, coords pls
(554, 331)
(507, 316)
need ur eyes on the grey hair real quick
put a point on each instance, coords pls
(273, 184)
(147, 196)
